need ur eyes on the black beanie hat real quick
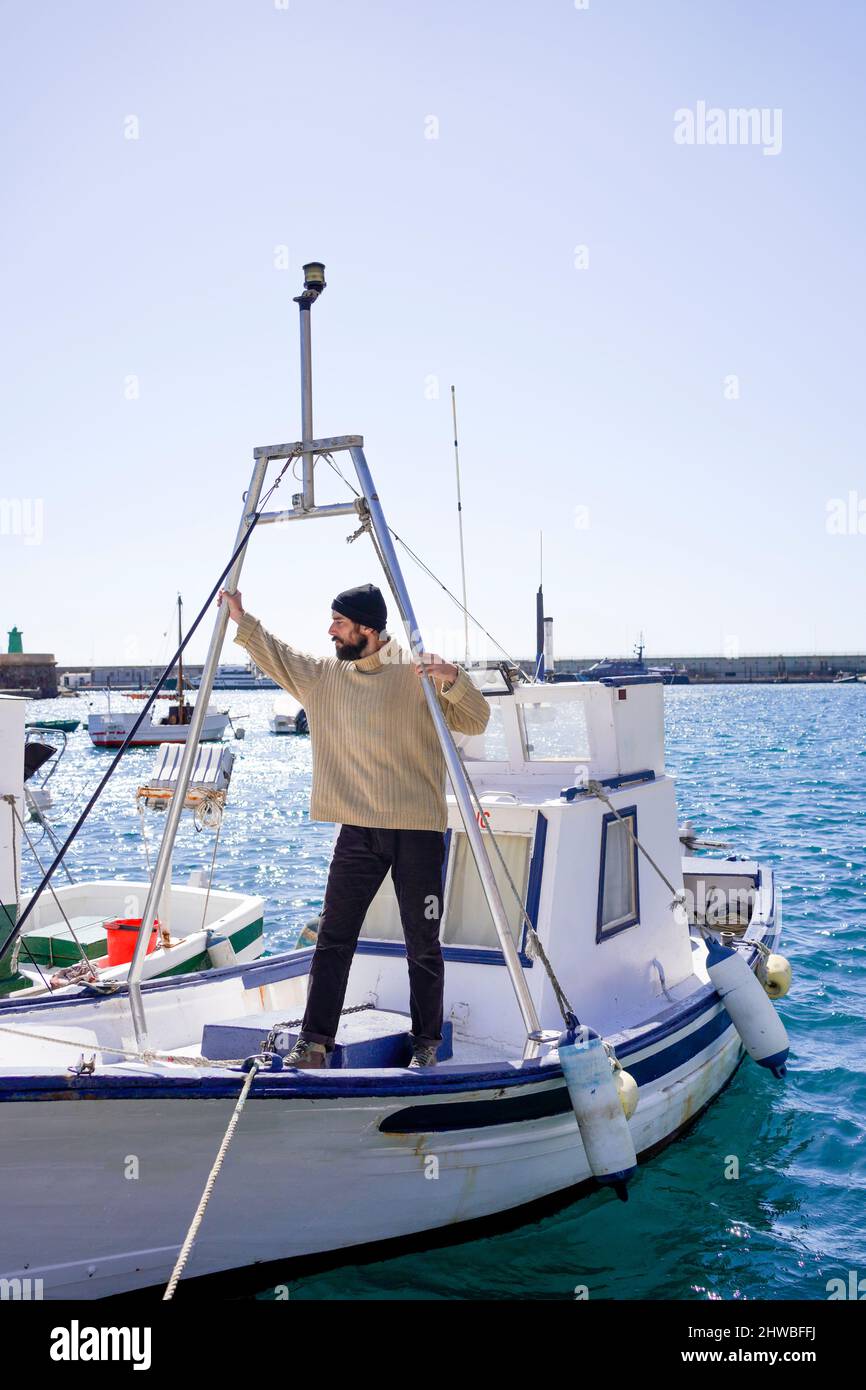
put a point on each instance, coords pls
(364, 605)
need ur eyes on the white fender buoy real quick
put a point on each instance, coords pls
(752, 1014)
(221, 952)
(628, 1091)
(774, 974)
(595, 1099)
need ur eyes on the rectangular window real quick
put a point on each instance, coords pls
(618, 899)
(490, 747)
(554, 730)
(467, 916)
(467, 920)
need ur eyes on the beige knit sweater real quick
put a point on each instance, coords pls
(376, 757)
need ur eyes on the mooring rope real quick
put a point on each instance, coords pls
(209, 1186)
(148, 1055)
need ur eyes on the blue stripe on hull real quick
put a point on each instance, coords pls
(383, 1083)
(667, 1059)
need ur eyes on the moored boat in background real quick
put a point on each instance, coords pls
(288, 717)
(110, 730)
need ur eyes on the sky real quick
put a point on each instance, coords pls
(651, 312)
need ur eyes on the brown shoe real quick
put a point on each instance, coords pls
(423, 1057)
(307, 1054)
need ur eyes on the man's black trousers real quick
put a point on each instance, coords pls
(362, 857)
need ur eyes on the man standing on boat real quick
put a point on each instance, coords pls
(378, 772)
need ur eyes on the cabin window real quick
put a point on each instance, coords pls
(618, 899)
(491, 746)
(554, 730)
(467, 917)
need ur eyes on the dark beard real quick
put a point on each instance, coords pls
(350, 651)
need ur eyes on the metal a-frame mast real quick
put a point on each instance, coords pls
(305, 508)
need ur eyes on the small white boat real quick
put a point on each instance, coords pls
(84, 932)
(198, 928)
(110, 730)
(288, 717)
(172, 725)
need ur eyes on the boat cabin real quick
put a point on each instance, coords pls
(601, 911)
(177, 714)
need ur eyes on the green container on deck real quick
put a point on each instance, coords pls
(55, 945)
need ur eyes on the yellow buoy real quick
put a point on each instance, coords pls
(775, 975)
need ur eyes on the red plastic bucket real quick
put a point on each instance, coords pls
(122, 935)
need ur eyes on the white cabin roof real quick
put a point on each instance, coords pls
(549, 737)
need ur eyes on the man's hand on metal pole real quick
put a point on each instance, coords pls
(236, 608)
(435, 666)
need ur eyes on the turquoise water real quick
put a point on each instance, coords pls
(776, 771)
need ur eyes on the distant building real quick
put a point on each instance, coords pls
(26, 673)
(74, 680)
(121, 677)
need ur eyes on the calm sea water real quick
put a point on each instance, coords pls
(776, 771)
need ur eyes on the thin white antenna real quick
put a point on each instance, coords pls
(460, 527)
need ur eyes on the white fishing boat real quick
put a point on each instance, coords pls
(601, 990)
(110, 730)
(288, 717)
(84, 932)
(170, 725)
